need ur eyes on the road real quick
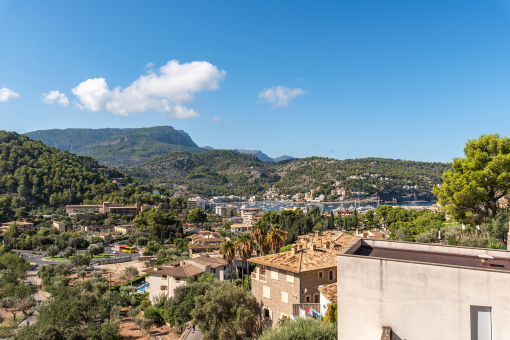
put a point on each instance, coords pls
(195, 335)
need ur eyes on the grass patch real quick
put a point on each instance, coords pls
(56, 259)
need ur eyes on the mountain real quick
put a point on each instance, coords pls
(257, 153)
(224, 172)
(72, 139)
(116, 147)
(215, 172)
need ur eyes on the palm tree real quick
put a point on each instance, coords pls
(276, 237)
(260, 234)
(245, 245)
(228, 250)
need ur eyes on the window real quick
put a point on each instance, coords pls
(163, 277)
(274, 274)
(320, 275)
(316, 298)
(267, 313)
(177, 280)
(214, 271)
(331, 275)
(290, 278)
(307, 298)
(481, 323)
(285, 297)
(266, 292)
(164, 287)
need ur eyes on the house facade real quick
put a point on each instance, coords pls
(286, 285)
(166, 278)
(419, 291)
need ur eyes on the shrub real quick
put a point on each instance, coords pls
(302, 329)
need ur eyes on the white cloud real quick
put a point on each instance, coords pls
(279, 96)
(55, 96)
(149, 65)
(216, 119)
(6, 94)
(166, 90)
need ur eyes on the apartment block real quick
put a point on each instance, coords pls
(226, 210)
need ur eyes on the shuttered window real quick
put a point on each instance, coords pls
(285, 297)
(267, 292)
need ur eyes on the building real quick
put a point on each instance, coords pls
(327, 296)
(286, 284)
(240, 228)
(255, 199)
(60, 226)
(197, 202)
(124, 229)
(166, 278)
(422, 291)
(345, 212)
(204, 242)
(375, 234)
(107, 207)
(226, 210)
(98, 228)
(22, 225)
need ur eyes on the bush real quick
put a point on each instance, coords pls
(153, 313)
(51, 251)
(302, 329)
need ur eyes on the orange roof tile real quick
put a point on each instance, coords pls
(308, 259)
(329, 291)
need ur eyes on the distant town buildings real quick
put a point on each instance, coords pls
(226, 210)
(199, 202)
(240, 228)
(107, 207)
(60, 226)
(22, 225)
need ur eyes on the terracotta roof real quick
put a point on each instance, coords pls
(307, 259)
(205, 246)
(179, 271)
(214, 262)
(329, 292)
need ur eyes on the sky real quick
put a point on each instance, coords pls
(341, 79)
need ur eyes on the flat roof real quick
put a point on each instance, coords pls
(435, 257)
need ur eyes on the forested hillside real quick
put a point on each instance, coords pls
(221, 172)
(72, 140)
(217, 172)
(32, 173)
(116, 147)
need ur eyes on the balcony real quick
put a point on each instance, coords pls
(259, 275)
(306, 310)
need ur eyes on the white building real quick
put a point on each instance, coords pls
(166, 278)
(240, 228)
(327, 297)
(199, 202)
(422, 291)
(226, 210)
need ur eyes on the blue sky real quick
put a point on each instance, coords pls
(340, 79)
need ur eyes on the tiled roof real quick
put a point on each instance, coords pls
(179, 271)
(329, 292)
(205, 246)
(214, 262)
(307, 259)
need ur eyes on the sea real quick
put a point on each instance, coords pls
(277, 206)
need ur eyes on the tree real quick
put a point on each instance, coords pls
(69, 251)
(331, 314)
(133, 312)
(276, 237)
(245, 246)
(21, 213)
(270, 217)
(131, 271)
(224, 312)
(13, 231)
(51, 251)
(96, 249)
(259, 232)
(228, 251)
(143, 324)
(197, 217)
(471, 190)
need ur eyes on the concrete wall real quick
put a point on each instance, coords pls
(418, 301)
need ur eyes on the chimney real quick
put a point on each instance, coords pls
(319, 241)
(365, 234)
(293, 249)
(316, 234)
(314, 247)
(327, 244)
(304, 243)
(182, 263)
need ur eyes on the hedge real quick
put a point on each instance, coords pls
(135, 280)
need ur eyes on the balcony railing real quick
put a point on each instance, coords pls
(259, 275)
(304, 310)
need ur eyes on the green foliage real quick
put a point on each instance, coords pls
(197, 216)
(135, 280)
(52, 251)
(471, 190)
(331, 314)
(302, 329)
(224, 312)
(46, 175)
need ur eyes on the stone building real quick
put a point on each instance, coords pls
(286, 285)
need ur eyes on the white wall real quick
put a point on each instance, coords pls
(418, 301)
(324, 304)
